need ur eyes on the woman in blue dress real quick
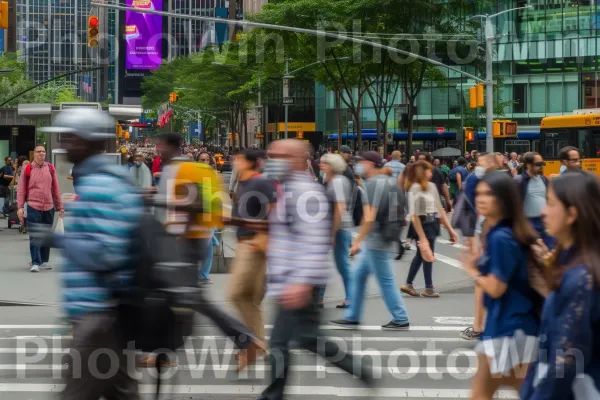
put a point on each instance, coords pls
(569, 366)
(509, 341)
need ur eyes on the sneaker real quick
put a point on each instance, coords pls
(470, 334)
(203, 281)
(45, 266)
(34, 268)
(430, 292)
(345, 322)
(395, 327)
(409, 289)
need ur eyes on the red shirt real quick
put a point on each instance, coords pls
(40, 190)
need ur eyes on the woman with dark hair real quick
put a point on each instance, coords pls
(425, 211)
(571, 314)
(509, 341)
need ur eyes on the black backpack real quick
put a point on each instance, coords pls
(356, 205)
(391, 212)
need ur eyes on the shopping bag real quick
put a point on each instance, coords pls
(60, 227)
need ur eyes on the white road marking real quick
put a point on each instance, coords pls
(399, 352)
(447, 260)
(457, 245)
(468, 321)
(400, 339)
(323, 327)
(395, 392)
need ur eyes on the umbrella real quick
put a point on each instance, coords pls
(447, 152)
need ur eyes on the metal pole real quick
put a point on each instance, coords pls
(260, 110)
(286, 83)
(199, 132)
(489, 85)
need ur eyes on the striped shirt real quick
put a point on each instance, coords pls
(300, 235)
(96, 245)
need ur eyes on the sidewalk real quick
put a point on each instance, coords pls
(19, 286)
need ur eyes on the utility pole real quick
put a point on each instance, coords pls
(286, 94)
(489, 85)
(199, 128)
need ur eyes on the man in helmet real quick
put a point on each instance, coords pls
(99, 229)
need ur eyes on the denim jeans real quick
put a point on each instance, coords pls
(379, 263)
(208, 259)
(5, 206)
(341, 252)
(39, 255)
(415, 265)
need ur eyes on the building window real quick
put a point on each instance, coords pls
(520, 98)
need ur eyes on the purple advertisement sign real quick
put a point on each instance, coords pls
(143, 34)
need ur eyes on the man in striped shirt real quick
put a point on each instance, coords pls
(96, 246)
(300, 238)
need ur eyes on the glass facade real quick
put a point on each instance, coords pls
(189, 36)
(52, 39)
(547, 59)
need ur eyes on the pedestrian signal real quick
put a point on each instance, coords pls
(3, 14)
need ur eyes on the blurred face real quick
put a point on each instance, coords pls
(412, 158)
(326, 168)
(436, 162)
(39, 154)
(485, 201)
(428, 174)
(8, 161)
(204, 158)
(346, 156)
(537, 167)
(422, 157)
(574, 161)
(513, 156)
(558, 220)
(242, 164)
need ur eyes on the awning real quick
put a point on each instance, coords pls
(35, 111)
(124, 112)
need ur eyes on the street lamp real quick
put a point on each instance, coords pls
(490, 38)
(287, 100)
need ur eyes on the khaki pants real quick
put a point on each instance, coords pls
(247, 286)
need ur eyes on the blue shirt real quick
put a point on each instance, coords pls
(397, 168)
(99, 228)
(570, 318)
(506, 259)
(469, 188)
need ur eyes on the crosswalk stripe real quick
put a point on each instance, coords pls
(292, 390)
(447, 260)
(403, 352)
(323, 327)
(457, 245)
(402, 339)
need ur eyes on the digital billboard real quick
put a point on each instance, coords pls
(143, 34)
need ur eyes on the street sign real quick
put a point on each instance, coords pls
(259, 136)
(288, 100)
(439, 130)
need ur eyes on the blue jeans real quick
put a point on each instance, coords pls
(379, 263)
(208, 258)
(341, 252)
(538, 225)
(5, 206)
(39, 255)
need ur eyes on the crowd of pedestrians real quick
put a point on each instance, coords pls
(529, 242)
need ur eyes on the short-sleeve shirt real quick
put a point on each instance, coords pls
(253, 197)
(375, 189)
(438, 179)
(506, 259)
(339, 190)
(424, 203)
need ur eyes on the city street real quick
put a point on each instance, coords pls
(428, 361)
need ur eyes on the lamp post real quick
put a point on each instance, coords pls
(490, 38)
(286, 95)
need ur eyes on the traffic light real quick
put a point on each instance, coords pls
(93, 30)
(476, 98)
(3, 14)
(469, 134)
(504, 128)
(173, 97)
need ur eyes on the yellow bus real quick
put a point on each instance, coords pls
(580, 130)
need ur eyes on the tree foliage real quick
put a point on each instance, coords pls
(14, 81)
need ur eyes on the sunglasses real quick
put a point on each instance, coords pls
(540, 164)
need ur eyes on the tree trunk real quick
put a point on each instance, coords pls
(410, 128)
(232, 15)
(246, 138)
(385, 140)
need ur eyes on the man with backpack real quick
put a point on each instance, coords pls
(96, 252)
(457, 177)
(384, 210)
(39, 188)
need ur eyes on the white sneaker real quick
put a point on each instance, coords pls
(34, 268)
(45, 266)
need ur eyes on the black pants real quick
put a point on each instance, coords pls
(91, 376)
(230, 326)
(302, 326)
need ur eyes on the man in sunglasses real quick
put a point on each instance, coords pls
(533, 185)
(570, 158)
